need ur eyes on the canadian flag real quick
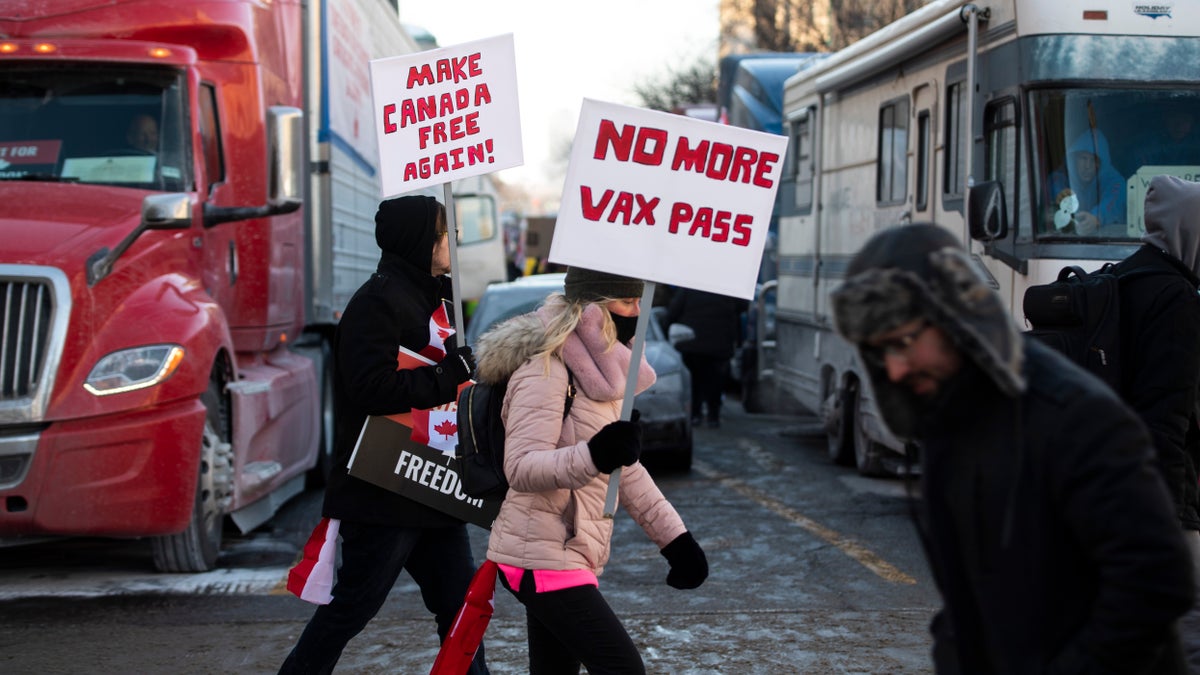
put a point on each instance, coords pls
(439, 332)
(471, 622)
(437, 428)
(312, 578)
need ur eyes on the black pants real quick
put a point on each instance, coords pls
(573, 627)
(708, 383)
(438, 559)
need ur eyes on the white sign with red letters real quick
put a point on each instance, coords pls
(668, 198)
(446, 114)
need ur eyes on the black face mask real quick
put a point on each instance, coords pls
(626, 327)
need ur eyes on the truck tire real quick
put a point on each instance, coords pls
(196, 548)
(840, 416)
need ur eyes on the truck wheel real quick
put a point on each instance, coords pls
(867, 453)
(840, 415)
(318, 476)
(195, 549)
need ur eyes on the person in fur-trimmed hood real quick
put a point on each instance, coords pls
(551, 539)
(1050, 534)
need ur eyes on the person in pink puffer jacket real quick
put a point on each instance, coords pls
(550, 539)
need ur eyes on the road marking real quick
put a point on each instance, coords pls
(855, 550)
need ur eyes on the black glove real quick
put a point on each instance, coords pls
(616, 444)
(689, 567)
(460, 362)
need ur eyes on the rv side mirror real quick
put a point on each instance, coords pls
(986, 218)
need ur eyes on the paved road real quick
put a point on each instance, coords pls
(814, 570)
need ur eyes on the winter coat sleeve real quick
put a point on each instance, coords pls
(1165, 375)
(533, 461)
(1115, 506)
(648, 507)
(369, 337)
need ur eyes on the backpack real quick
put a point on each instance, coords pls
(480, 449)
(1079, 314)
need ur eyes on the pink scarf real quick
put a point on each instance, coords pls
(600, 374)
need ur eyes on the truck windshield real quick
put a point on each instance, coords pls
(1095, 151)
(99, 125)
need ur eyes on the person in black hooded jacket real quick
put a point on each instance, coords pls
(382, 532)
(1049, 531)
(1160, 370)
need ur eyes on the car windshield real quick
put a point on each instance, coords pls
(121, 126)
(504, 301)
(1096, 149)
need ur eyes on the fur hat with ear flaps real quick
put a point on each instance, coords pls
(921, 271)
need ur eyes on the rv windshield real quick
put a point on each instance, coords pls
(1095, 151)
(105, 125)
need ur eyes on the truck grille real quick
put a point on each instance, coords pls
(25, 309)
(34, 305)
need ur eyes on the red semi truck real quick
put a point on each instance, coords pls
(167, 294)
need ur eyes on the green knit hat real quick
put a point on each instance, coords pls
(584, 285)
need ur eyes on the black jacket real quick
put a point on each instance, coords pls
(1048, 529)
(391, 309)
(715, 319)
(1160, 365)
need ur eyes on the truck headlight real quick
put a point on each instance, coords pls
(134, 368)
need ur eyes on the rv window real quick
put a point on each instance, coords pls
(475, 218)
(922, 196)
(956, 149)
(892, 161)
(1000, 131)
(802, 166)
(1095, 150)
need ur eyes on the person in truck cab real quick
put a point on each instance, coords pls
(142, 134)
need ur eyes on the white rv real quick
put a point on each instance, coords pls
(973, 116)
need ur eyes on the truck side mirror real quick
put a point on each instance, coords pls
(285, 152)
(986, 217)
(285, 171)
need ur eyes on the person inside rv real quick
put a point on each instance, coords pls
(1173, 141)
(1086, 192)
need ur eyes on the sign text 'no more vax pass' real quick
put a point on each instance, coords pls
(446, 114)
(667, 198)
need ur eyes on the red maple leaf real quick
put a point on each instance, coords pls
(446, 428)
(443, 333)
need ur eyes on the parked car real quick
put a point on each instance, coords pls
(665, 407)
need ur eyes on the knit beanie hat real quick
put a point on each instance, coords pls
(584, 285)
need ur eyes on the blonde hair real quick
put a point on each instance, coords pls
(565, 316)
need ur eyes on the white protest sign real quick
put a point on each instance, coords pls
(668, 198)
(446, 114)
